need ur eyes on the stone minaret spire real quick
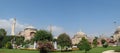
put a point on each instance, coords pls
(13, 26)
(50, 28)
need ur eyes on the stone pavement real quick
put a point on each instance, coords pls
(110, 51)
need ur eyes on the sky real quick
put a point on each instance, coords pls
(93, 17)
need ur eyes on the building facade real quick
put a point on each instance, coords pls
(116, 35)
(77, 37)
(28, 32)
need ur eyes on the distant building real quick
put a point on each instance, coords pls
(77, 37)
(28, 32)
(116, 34)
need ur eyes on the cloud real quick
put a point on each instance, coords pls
(56, 30)
(6, 24)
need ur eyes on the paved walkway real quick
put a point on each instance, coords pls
(110, 51)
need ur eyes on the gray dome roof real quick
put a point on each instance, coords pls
(31, 27)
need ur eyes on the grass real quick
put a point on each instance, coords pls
(16, 51)
(94, 50)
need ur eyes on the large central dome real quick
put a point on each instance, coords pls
(80, 33)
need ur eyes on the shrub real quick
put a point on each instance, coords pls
(105, 45)
(84, 45)
(9, 45)
(95, 42)
(45, 47)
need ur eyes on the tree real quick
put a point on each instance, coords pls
(45, 38)
(19, 40)
(43, 35)
(64, 40)
(95, 42)
(2, 32)
(2, 35)
(84, 45)
(104, 43)
(6, 39)
(9, 45)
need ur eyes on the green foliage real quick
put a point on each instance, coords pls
(2, 32)
(8, 45)
(95, 42)
(43, 35)
(6, 39)
(19, 40)
(2, 35)
(26, 43)
(104, 43)
(0, 44)
(84, 45)
(54, 40)
(64, 40)
(1, 40)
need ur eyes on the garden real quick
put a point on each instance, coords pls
(45, 44)
(94, 50)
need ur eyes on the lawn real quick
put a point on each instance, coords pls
(94, 50)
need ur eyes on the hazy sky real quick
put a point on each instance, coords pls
(93, 17)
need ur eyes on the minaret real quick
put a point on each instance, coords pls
(51, 29)
(13, 26)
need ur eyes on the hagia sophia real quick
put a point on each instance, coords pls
(30, 31)
(116, 34)
(77, 37)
